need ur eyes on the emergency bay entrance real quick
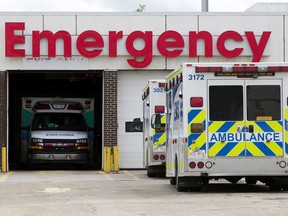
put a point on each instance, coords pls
(245, 118)
(62, 84)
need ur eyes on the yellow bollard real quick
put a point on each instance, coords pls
(116, 158)
(107, 159)
(4, 160)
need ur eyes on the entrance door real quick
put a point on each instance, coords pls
(244, 118)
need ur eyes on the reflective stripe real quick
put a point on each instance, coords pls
(266, 139)
(286, 131)
(159, 139)
(260, 148)
(196, 141)
(226, 148)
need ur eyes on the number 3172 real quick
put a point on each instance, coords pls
(195, 77)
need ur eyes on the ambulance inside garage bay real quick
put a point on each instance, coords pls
(109, 57)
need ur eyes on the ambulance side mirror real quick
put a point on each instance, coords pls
(156, 121)
(180, 94)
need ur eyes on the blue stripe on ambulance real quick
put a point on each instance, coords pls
(156, 138)
(257, 143)
(197, 141)
(286, 132)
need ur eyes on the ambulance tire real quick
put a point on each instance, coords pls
(173, 181)
(151, 172)
(275, 187)
(177, 183)
(250, 180)
(180, 187)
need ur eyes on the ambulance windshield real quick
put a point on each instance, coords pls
(59, 121)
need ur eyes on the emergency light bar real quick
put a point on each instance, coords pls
(241, 69)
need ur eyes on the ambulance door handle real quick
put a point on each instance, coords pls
(251, 128)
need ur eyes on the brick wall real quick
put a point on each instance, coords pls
(110, 108)
(3, 111)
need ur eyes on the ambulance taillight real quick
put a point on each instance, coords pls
(76, 106)
(159, 109)
(41, 106)
(196, 101)
(162, 85)
(192, 165)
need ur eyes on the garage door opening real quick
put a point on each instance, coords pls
(52, 84)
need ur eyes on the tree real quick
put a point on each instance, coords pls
(141, 8)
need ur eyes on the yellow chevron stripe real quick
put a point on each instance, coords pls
(216, 148)
(286, 132)
(199, 142)
(253, 149)
(163, 119)
(276, 149)
(286, 114)
(200, 117)
(161, 140)
(174, 74)
(275, 126)
(237, 149)
(215, 126)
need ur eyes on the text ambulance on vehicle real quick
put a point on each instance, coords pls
(227, 121)
(57, 130)
(154, 136)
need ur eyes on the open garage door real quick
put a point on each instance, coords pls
(51, 84)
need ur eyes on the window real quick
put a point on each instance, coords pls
(59, 121)
(225, 103)
(263, 103)
(130, 127)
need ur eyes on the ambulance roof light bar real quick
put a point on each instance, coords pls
(241, 69)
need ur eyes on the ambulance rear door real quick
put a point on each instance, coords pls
(245, 118)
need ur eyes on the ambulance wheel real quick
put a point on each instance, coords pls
(150, 172)
(180, 187)
(275, 187)
(250, 180)
(173, 181)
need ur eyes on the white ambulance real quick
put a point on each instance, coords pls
(154, 133)
(230, 121)
(57, 130)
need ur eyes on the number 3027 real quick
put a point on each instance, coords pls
(195, 77)
(158, 90)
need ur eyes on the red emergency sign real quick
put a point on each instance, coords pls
(170, 44)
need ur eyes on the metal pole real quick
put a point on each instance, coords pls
(205, 6)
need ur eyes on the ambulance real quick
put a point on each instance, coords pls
(227, 120)
(57, 130)
(154, 133)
